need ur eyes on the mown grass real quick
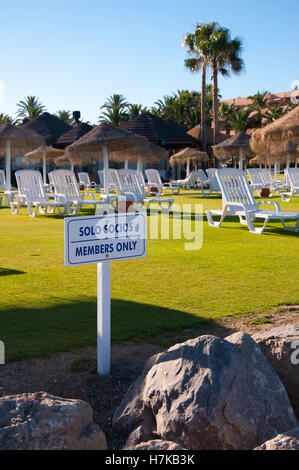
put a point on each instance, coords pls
(46, 308)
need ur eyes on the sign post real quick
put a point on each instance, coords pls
(100, 240)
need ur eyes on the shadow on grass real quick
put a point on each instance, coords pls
(39, 332)
(10, 272)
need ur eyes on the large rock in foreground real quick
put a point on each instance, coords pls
(281, 348)
(208, 393)
(286, 441)
(39, 421)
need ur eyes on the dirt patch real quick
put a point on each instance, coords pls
(73, 374)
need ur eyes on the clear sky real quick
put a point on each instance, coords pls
(73, 54)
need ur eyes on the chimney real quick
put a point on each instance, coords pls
(76, 116)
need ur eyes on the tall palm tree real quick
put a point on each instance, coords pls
(211, 45)
(116, 110)
(29, 108)
(197, 49)
(224, 59)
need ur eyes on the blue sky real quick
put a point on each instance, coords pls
(73, 54)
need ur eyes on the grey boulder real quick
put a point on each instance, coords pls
(207, 393)
(38, 421)
(286, 441)
(281, 347)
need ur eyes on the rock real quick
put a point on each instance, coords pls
(286, 441)
(157, 444)
(208, 393)
(39, 421)
(277, 345)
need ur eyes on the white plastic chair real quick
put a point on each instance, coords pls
(238, 199)
(154, 181)
(292, 176)
(256, 179)
(113, 181)
(67, 189)
(2, 180)
(130, 187)
(191, 182)
(31, 193)
(213, 185)
(84, 180)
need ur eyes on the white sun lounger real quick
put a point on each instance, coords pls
(154, 181)
(31, 193)
(113, 181)
(292, 176)
(2, 180)
(238, 199)
(212, 183)
(191, 182)
(85, 180)
(130, 187)
(66, 189)
(257, 180)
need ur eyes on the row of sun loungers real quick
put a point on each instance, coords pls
(66, 196)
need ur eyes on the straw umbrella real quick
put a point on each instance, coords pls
(236, 146)
(149, 153)
(103, 142)
(187, 155)
(44, 153)
(277, 134)
(15, 142)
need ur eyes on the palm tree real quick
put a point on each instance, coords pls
(275, 112)
(64, 116)
(241, 119)
(260, 103)
(211, 45)
(197, 44)
(6, 119)
(29, 108)
(224, 59)
(116, 110)
(135, 110)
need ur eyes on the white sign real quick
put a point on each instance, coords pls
(98, 239)
(101, 239)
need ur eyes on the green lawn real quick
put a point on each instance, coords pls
(47, 308)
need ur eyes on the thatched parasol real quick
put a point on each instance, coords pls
(277, 134)
(259, 160)
(63, 161)
(236, 146)
(43, 153)
(285, 153)
(147, 154)
(187, 155)
(107, 142)
(15, 142)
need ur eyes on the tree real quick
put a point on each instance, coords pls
(135, 109)
(116, 110)
(65, 116)
(182, 107)
(29, 108)
(6, 119)
(211, 46)
(197, 48)
(260, 103)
